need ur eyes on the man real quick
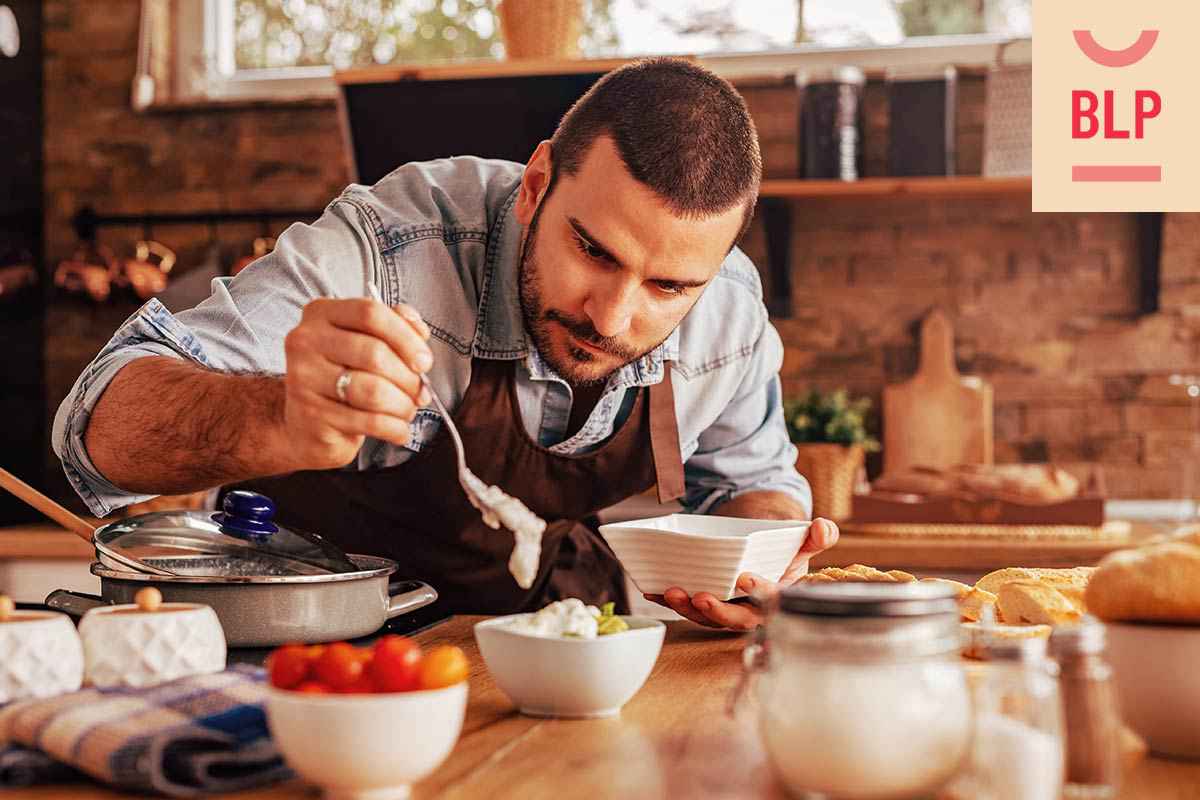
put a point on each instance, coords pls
(587, 318)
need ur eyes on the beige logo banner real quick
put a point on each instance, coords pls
(1116, 122)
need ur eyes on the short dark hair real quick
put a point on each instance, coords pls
(680, 130)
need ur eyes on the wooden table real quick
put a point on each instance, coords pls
(965, 554)
(48, 540)
(672, 740)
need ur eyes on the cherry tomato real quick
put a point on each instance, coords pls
(288, 666)
(396, 664)
(364, 685)
(338, 666)
(444, 665)
(313, 687)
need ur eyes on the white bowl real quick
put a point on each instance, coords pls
(564, 677)
(366, 746)
(1155, 671)
(703, 554)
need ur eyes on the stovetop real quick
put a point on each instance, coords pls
(404, 625)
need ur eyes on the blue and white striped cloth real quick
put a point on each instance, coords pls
(194, 736)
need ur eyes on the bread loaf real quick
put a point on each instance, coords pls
(1034, 603)
(1069, 581)
(857, 573)
(971, 600)
(1156, 582)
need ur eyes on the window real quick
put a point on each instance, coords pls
(278, 48)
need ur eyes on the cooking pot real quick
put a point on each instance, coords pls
(267, 584)
(268, 610)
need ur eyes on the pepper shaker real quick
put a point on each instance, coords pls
(1093, 723)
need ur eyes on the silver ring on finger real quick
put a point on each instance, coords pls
(342, 387)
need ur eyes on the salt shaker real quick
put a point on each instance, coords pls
(1093, 723)
(860, 690)
(1017, 749)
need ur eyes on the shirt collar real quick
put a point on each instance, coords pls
(500, 330)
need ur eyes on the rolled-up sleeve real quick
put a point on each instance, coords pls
(747, 448)
(241, 327)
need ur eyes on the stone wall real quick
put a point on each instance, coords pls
(1045, 306)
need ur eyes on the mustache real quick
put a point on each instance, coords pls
(583, 329)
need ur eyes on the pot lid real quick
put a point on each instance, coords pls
(240, 540)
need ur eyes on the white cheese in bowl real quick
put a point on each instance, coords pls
(570, 618)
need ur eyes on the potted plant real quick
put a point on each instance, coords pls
(831, 438)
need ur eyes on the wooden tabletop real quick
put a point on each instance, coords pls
(47, 540)
(42, 540)
(673, 740)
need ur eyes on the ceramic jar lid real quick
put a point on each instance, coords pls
(40, 653)
(151, 642)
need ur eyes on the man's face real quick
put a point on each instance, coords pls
(607, 270)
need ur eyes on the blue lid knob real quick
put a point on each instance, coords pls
(247, 515)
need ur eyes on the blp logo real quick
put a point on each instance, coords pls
(1114, 125)
(1088, 110)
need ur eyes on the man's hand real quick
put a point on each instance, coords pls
(382, 350)
(706, 609)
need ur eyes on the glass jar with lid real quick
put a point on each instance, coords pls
(861, 692)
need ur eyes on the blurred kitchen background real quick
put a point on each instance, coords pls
(896, 141)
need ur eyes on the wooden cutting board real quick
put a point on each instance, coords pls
(938, 418)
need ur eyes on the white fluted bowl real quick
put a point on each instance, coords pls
(703, 554)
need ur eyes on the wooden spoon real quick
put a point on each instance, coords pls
(72, 522)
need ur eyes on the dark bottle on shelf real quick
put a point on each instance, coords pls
(922, 104)
(831, 123)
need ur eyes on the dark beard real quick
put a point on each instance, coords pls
(538, 321)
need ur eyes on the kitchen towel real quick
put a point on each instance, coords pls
(198, 735)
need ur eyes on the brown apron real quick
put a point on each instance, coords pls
(416, 513)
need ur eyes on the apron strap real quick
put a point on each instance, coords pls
(664, 439)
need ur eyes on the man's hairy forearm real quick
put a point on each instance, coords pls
(762, 505)
(165, 426)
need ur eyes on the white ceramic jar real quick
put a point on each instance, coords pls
(860, 690)
(151, 642)
(40, 654)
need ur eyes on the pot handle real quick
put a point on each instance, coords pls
(406, 596)
(74, 604)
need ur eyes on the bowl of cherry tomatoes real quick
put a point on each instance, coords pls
(366, 722)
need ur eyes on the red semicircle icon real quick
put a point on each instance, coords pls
(1116, 58)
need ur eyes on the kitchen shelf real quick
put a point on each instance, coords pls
(938, 186)
(776, 214)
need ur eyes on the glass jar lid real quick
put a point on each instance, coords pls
(914, 599)
(870, 622)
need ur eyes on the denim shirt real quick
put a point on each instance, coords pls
(442, 236)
